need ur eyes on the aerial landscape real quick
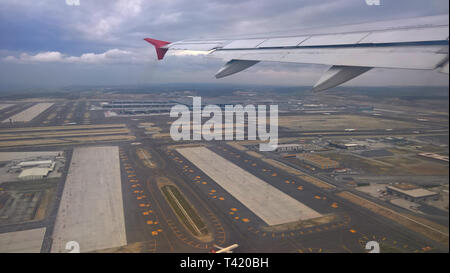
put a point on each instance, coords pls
(93, 166)
(102, 170)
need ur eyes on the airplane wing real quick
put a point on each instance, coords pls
(418, 43)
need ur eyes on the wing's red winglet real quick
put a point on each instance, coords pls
(160, 51)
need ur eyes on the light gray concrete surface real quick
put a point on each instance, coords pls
(25, 241)
(91, 210)
(10, 156)
(30, 113)
(374, 190)
(5, 105)
(270, 204)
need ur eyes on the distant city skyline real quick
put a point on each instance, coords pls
(52, 43)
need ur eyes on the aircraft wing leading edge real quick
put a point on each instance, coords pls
(421, 43)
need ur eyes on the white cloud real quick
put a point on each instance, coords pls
(108, 57)
(102, 23)
(50, 56)
(168, 18)
(129, 7)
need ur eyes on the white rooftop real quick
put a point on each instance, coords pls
(34, 172)
(287, 145)
(414, 192)
(34, 163)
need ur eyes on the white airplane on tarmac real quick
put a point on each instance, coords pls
(350, 50)
(227, 249)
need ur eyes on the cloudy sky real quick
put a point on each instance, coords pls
(52, 43)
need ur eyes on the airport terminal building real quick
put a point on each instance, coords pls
(414, 195)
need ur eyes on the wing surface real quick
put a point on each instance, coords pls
(419, 43)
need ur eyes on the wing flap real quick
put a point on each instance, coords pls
(337, 75)
(382, 57)
(234, 66)
(444, 68)
(407, 35)
(283, 42)
(246, 43)
(335, 39)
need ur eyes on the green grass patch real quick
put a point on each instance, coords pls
(200, 228)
